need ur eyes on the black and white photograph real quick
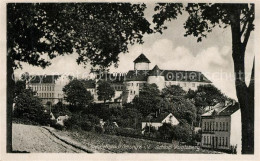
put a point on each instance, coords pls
(129, 77)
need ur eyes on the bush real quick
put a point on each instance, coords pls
(86, 126)
(110, 128)
(182, 133)
(99, 129)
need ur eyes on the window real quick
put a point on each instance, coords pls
(226, 126)
(226, 141)
(40, 87)
(204, 140)
(53, 88)
(137, 84)
(216, 126)
(130, 92)
(210, 126)
(205, 126)
(207, 140)
(132, 84)
(210, 140)
(223, 141)
(219, 141)
(220, 126)
(213, 126)
(134, 92)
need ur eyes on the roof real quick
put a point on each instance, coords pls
(142, 59)
(169, 75)
(229, 110)
(43, 78)
(152, 117)
(222, 110)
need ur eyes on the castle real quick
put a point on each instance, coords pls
(131, 82)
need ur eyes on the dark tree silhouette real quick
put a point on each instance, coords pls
(105, 91)
(76, 94)
(97, 31)
(202, 19)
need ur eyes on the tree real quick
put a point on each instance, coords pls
(148, 100)
(98, 32)
(166, 131)
(20, 86)
(76, 94)
(174, 101)
(105, 91)
(208, 95)
(60, 109)
(202, 19)
(29, 108)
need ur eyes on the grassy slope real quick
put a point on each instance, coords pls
(120, 144)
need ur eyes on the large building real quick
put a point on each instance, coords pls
(48, 87)
(221, 128)
(126, 85)
(135, 79)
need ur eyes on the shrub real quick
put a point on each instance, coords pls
(86, 126)
(110, 128)
(99, 129)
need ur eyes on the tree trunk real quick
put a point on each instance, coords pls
(9, 109)
(245, 94)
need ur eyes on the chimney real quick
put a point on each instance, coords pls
(226, 103)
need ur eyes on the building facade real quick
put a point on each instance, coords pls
(48, 87)
(221, 128)
(135, 79)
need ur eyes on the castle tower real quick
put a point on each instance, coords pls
(156, 77)
(141, 63)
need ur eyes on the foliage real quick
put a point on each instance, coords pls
(98, 32)
(99, 129)
(148, 99)
(182, 132)
(76, 94)
(20, 86)
(105, 91)
(207, 95)
(166, 131)
(110, 128)
(60, 109)
(203, 17)
(29, 107)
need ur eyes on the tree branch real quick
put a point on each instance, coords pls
(244, 28)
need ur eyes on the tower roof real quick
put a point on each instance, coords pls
(155, 71)
(142, 59)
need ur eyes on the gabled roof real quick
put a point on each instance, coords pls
(222, 110)
(152, 117)
(142, 59)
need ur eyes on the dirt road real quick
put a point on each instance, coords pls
(35, 139)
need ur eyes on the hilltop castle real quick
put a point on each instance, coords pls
(132, 82)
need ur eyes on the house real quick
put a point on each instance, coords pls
(157, 119)
(61, 119)
(221, 128)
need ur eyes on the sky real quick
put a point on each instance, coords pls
(170, 50)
